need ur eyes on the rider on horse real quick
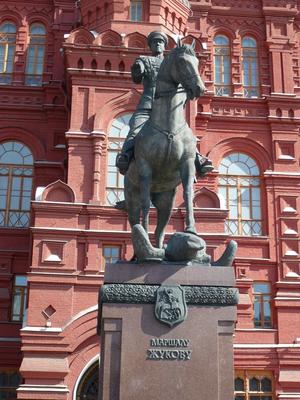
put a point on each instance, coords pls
(145, 70)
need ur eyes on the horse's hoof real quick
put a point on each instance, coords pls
(120, 205)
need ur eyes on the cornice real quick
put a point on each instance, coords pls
(82, 72)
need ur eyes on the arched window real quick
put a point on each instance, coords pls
(222, 65)
(16, 173)
(240, 192)
(88, 385)
(7, 51)
(116, 136)
(35, 55)
(250, 67)
(253, 385)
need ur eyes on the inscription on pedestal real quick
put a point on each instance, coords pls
(178, 351)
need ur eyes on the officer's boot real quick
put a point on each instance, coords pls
(203, 165)
(123, 160)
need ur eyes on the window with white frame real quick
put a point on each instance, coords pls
(116, 136)
(35, 55)
(250, 67)
(7, 51)
(262, 305)
(110, 255)
(222, 66)
(19, 298)
(136, 10)
(240, 192)
(16, 175)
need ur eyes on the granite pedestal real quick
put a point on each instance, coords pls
(143, 358)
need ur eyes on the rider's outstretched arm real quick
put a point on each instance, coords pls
(137, 71)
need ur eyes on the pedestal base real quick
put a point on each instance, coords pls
(145, 358)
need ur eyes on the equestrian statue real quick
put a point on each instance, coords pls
(145, 70)
(160, 153)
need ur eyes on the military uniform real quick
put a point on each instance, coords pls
(144, 70)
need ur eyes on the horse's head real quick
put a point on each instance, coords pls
(184, 69)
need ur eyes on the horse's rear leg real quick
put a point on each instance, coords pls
(133, 205)
(164, 204)
(145, 176)
(187, 173)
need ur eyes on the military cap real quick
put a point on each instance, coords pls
(157, 35)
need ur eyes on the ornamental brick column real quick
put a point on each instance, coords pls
(98, 139)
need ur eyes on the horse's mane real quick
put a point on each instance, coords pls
(169, 59)
(184, 48)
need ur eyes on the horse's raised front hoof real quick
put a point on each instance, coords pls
(143, 248)
(191, 229)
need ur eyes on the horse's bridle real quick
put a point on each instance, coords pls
(185, 80)
(185, 83)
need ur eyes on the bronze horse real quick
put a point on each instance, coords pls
(165, 148)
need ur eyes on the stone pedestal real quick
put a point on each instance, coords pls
(143, 358)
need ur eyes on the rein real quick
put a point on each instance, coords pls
(167, 93)
(186, 80)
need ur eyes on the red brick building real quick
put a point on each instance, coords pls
(66, 96)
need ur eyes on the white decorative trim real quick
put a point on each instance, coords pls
(290, 231)
(255, 330)
(43, 388)
(40, 329)
(292, 274)
(39, 192)
(87, 366)
(295, 395)
(268, 172)
(286, 157)
(53, 273)
(79, 133)
(81, 314)
(291, 253)
(289, 210)
(99, 70)
(288, 119)
(98, 132)
(282, 94)
(266, 346)
(57, 202)
(77, 229)
(287, 298)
